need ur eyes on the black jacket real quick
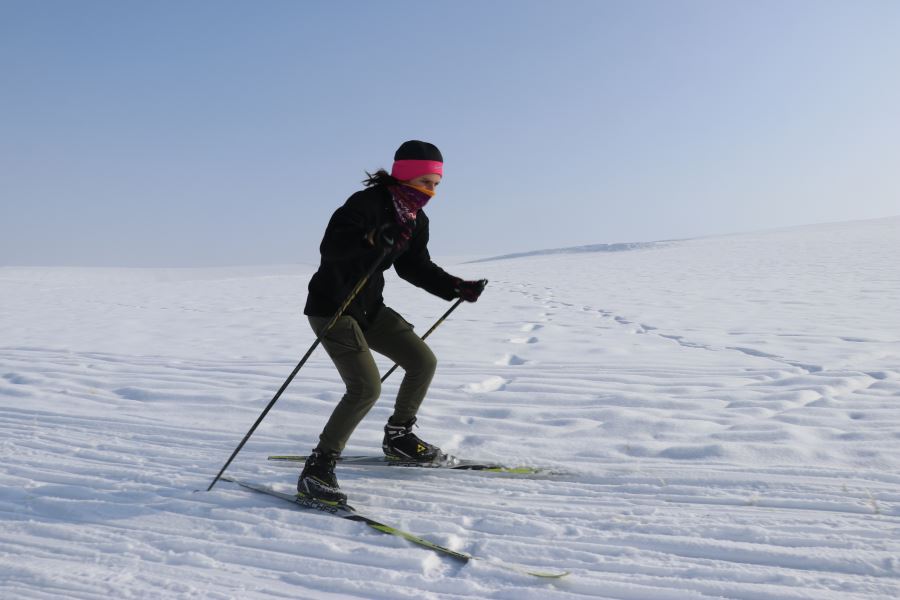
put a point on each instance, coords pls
(346, 255)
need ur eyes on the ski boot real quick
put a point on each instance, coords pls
(400, 443)
(317, 480)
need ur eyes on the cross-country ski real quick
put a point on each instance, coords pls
(345, 511)
(442, 462)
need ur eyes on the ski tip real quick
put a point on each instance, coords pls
(525, 570)
(541, 573)
(546, 575)
(515, 470)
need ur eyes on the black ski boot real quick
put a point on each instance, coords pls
(400, 443)
(317, 480)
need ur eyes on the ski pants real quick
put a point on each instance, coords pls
(350, 348)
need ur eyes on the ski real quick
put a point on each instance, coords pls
(445, 462)
(346, 511)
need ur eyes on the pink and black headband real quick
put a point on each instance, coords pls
(414, 159)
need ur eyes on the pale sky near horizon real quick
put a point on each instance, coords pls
(227, 132)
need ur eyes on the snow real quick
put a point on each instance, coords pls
(726, 411)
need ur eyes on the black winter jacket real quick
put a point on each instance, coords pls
(346, 255)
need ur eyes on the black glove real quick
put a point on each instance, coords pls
(469, 290)
(390, 236)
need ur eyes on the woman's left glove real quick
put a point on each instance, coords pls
(469, 290)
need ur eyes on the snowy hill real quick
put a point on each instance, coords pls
(618, 247)
(727, 411)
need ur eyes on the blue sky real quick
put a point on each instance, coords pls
(221, 133)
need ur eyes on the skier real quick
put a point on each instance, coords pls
(387, 216)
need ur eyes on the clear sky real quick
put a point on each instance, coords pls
(191, 133)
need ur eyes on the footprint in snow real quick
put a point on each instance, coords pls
(510, 360)
(523, 340)
(491, 384)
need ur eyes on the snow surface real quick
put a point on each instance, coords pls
(728, 410)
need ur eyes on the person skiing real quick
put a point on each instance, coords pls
(383, 220)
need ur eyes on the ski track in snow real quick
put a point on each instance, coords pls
(724, 412)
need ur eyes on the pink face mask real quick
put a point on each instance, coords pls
(408, 200)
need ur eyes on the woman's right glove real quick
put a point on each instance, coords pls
(390, 236)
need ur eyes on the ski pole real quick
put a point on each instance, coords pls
(483, 283)
(359, 286)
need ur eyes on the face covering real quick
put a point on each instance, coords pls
(408, 199)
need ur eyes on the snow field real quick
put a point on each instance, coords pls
(726, 411)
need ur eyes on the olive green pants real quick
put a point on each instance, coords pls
(350, 348)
